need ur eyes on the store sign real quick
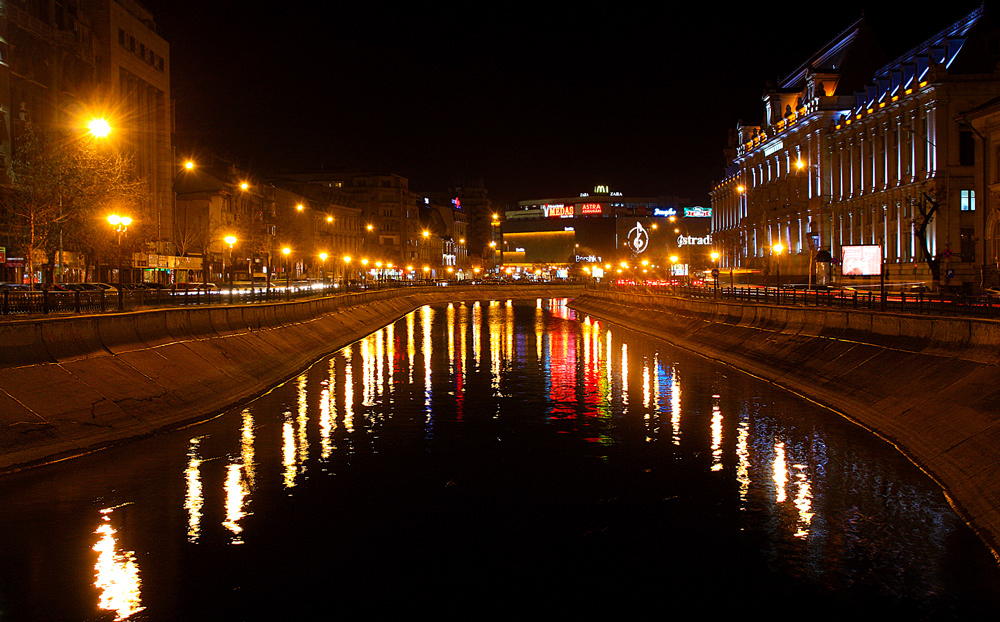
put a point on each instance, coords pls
(690, 240)
(697, 212)
(664, 213)
(3, 254)
(638, 238)
(588, 259)
(558, 210)
(591, 208)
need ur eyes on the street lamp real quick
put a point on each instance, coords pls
(288, 292)
(120, 224)
(777, 248)
(347, 262)
(230, 240)
(322, 270)
(99, 128)
(715, 271)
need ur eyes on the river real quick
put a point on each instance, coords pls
(487, 459)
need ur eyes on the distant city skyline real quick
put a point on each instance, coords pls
(533, 103)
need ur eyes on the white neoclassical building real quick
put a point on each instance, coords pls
(856, 151)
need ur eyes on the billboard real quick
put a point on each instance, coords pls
(863, 260)
(697, 212)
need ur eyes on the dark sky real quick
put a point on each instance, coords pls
(536, 103)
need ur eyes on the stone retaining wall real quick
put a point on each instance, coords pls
(931, 386)
(71, 385)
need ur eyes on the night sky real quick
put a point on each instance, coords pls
(534, 102)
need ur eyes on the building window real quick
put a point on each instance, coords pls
(121, 36)
(967, 200)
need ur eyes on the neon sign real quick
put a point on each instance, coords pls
(590, 208)
(659, 211)
(558, 210)
(693, 241)
(697, 212)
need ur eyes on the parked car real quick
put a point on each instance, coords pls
(82, 287)
(107, 287)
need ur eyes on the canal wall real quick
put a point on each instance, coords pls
(71, 385)
(930, 386)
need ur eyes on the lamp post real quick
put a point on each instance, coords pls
(230, 240)
(288, 292)
(347, 263)
(715, 271)
(120, 224)
(322, 268)
(777, 248)
(177, 232)
(101, 129)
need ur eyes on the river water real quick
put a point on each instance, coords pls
(487, 459)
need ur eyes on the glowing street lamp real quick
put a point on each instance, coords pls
(287, 252)
(120, 225)
(99, 128)
(231, 241)
(777, 248)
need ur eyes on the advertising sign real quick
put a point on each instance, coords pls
(697, 212)
(558, 210)
(640, 235)
(863, 260)
(590, 208)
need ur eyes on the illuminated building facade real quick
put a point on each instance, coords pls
(850, 152)
(600, 227)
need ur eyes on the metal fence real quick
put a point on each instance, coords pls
(867, 300)
(14, 303)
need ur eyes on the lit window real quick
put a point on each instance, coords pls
(967, 200)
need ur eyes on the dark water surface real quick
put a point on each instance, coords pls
(496, 460)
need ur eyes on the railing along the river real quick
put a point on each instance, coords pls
(867, 300)
(15, 303)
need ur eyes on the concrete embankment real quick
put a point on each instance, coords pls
(71, 385)
(931, 386)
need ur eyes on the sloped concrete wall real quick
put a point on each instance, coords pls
(72, 385)
(931, 386)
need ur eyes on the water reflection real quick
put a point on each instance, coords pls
(116, 573)
(531, 438)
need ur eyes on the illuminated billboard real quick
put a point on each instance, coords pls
(863, 260)
(640, 235)
(697, 212)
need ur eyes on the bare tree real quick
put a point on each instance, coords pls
(926, 209)
(57, 190)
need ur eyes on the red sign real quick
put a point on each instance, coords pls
(559, 211)
(590, 208)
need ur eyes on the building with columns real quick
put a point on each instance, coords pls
(853, 151)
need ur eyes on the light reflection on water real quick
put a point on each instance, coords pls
(523, 445)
